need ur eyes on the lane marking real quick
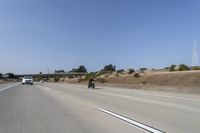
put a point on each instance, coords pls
(132, 122)
(7, 87)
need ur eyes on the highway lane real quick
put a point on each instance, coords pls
(33, 109)
(4, 87)
(65, 108)
(166, 111)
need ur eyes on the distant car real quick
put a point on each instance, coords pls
(27, 80)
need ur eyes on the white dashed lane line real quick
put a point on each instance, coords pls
(135, 123)
(7, 87)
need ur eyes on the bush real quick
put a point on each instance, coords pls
(183, 67)
(109, 68)
(172, 68)
(10, 75)
(56, 79)
(120, 71)
(136, 75)
(196, 68)
(131, 71)
(80, 69)
(142, 70)
(59, 72)
(166, 67)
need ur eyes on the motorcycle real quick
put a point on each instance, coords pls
(91, 84)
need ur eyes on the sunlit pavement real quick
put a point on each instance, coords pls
(61, 108)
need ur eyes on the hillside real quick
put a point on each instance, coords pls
(184, 82)
(189, 78)
(180, 81)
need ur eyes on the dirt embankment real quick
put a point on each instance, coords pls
(186, 79)
(181, 82)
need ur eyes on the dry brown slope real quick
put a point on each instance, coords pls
(187, 79)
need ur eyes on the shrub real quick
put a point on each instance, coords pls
(196, 68)
(136, 75)
(109, 68)
(166, 67)
(142, 69)
(172, 68)
(120, 71)
(130, 71)
(59, 72)
(80, 69)
(183, 67)
(56, 79)
(10, 75)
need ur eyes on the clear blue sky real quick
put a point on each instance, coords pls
(38, 35)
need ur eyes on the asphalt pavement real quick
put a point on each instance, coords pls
(63, 108)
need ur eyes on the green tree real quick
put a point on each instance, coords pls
(59, 72)
(130, 71)
(121, 71)
(80, 69)
(196, 68)
(172, 68)
(183, 67)
(136, 75)
(110, 68)
(143, 69)
(10, 75)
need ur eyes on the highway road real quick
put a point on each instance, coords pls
(62, 108)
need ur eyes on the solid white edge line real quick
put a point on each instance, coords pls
(135, 123)
(7, 87)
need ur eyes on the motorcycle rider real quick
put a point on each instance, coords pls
(91, 82)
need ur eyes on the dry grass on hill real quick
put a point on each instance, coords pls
(189, 79)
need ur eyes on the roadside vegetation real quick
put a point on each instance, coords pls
(108, 69)
(80, 69)
(136, 75)
(172, 68)
(181, 67)
(182, 77)
(109, 74)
